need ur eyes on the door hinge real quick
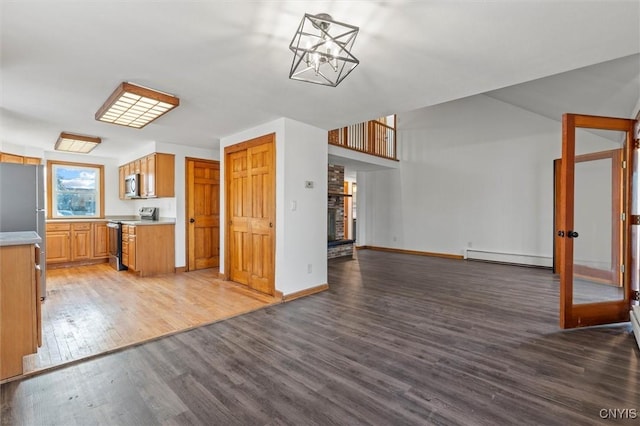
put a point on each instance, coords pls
(623, 217)
(622, 268)
(624, 164)
(635, 295)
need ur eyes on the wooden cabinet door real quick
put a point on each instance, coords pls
(151, 175)
(121, 176)
(162, 169)
(81, 245)
(32, 160)
(58, 246)
(125, 245)
(144, 177)
(11, 158)
(100, 240)
(132, 263)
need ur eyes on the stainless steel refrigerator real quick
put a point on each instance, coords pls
(22, 205)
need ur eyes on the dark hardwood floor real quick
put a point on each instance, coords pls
(398, 339)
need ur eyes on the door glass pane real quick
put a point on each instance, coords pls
(596, 249)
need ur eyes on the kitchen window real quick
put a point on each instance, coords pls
(75, 190)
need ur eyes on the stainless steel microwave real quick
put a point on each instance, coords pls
(132, 185)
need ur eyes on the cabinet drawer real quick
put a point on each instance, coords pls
(132, 230)
(82, 226)
(58, 226)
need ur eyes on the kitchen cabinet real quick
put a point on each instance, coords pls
(31, 160)
(58, 242)
(125, 245)
(77, 242)
(20, 332)
(150, 249)
(80, 241)
(100, 240)
(121, 176)
(131, 254)
(18, 159)
(157, 175)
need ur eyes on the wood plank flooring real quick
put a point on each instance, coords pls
(94, 309)
(396, 340)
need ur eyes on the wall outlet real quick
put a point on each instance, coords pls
(309, 268)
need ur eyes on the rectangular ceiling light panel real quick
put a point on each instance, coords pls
(76, 143)
(135, 106)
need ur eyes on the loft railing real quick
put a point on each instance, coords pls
(371, 137)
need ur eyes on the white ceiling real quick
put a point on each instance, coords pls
(228, 61)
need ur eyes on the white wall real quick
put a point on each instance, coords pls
(474, 172)
(301, 155)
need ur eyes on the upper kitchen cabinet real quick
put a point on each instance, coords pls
(157, 175)
(18, 159)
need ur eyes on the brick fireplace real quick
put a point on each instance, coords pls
(337, 245)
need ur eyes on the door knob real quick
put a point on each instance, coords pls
(192, 220)
(560, 233)
(270, 224)
(572, 234)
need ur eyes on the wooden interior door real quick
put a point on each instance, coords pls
(262, 188)
(203, 213)
(594, 280)
(239, 208)
(251, 210)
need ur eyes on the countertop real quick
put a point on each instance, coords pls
(19, 238)
(70, 219)
(127, 220)
(161, 221)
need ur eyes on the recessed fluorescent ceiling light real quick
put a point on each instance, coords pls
(135, 106)
(76, 143)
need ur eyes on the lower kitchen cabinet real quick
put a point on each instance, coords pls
(76, 243)
(58, 237)
(81, 247)
(100, 240)
(150, 249)
(20, 320)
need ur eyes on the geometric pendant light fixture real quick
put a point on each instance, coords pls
(322, 50)
(135, 106)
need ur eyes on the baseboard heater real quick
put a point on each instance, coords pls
(635, 323)
(508, 258)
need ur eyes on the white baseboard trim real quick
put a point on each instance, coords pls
(502, 257)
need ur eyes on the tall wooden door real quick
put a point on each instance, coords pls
(251, 210)
(594, 230)
(203, 213)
